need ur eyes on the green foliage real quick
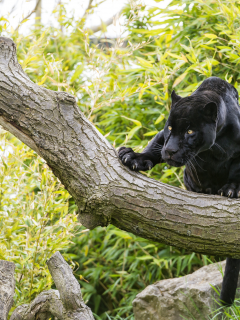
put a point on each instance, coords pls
(113, 266)
(124, 89)
(35, 217)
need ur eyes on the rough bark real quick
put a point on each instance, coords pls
(46, 305)
(74, 307)
(7, 287)
(66, 303)
(105, 191)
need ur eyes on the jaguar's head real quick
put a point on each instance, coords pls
(190, 128)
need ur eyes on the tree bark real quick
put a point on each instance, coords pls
(66, 303)
(7, 287)
(105, 191)
(74, 307)
(45, 306)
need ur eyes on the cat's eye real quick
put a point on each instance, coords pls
(169, 128)
(190, 132)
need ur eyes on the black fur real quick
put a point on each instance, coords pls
(202, 133)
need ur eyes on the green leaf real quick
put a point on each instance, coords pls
(145, 257)
(133, 131)
(160, 118)
(151, 133)
(77, 72)
(179, 79)
(210, 35)
(138, 123)
(145, 63)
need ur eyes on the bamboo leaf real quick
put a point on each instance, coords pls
(138, 123)
(160, 118)
(179, 79)
(133, 131)
(145, 63)
(151, 133)
(210, 35)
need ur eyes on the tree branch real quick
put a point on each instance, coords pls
(7, 287)
(107, 23)
(88, 7)
(66, 303)
(46, 305)
(69, 289)
(104, 190)
(28, 15)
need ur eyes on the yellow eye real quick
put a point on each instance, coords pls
(169, 128)
(190, 132)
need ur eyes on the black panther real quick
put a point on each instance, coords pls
(203, 133)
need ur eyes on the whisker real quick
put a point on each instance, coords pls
(195, 171)
(219, 147)
(200, 158)
(189, 167)
(199, 164)
(193, 157)
(157, 146)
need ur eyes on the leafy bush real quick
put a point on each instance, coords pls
(35, 217)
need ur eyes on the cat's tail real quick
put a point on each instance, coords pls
(230, 280)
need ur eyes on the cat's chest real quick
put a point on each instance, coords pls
(207, 173)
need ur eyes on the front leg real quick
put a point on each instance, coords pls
(145, 160)
(232, 188)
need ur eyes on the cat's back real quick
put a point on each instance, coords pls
(219, 86)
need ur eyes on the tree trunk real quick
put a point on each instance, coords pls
(105, 191)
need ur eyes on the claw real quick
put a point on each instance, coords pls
(230, 193)
(221, 194)
(125, 160)
(149, 167)
(238, 195)
(133, 167)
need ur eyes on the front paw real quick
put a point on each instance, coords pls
(230, 190)
(134, 161)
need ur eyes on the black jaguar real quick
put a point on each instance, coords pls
(202, 133)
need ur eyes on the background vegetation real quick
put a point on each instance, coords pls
(124, 88)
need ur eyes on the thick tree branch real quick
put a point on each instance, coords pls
(69, 289)
(7, 287)
(104, 190)
(46, 305)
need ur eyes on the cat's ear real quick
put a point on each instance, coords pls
(175, 97)
(210, 110)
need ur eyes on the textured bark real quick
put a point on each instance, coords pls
(74, 307)
(66, 303)
(45, 306)
(105, 191)
(7, 287)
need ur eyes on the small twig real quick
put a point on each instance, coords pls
(88, 8)
(108, 22)
(29, 15)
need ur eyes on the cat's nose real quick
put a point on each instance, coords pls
(170, 152)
